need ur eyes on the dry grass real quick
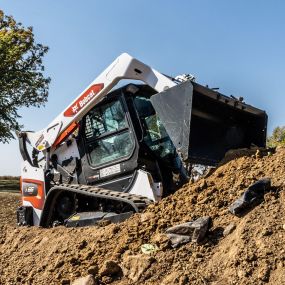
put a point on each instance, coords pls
(9, 183)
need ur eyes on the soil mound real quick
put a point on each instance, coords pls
(252, 251)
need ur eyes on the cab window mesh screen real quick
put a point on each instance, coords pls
(107, 134)
(104, 119)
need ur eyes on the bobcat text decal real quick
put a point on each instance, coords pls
(83, 100)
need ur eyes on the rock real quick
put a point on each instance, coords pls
(229, 229)
(93, 270)
(135, 265)
(194, 231)
(110, 268)
(177, 240)
(87, 280)
(254, 195)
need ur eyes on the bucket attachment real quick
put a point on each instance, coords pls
(204, 124)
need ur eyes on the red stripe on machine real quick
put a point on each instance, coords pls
(37, 195)
(83, 100)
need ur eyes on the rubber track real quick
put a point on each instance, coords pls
(139, 203)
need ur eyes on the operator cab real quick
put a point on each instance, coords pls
(122, 135)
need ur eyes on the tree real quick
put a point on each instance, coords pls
(22, 82)
(277, 138)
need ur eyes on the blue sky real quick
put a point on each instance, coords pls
(238, 46)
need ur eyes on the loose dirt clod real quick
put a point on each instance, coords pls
(110, 268)
(87, 280)
(135, 265)
(229, 229)
(251, 254)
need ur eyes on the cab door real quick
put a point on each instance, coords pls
(108, 144)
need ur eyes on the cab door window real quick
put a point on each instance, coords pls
(107, 134)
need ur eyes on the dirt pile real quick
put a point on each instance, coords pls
(252, 251)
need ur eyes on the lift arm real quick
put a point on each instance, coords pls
(124, 67)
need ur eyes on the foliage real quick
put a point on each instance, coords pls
(22, 82)
(277, 138)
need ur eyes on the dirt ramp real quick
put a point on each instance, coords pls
(250, 251)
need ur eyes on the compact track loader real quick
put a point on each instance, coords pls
(113, 151)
